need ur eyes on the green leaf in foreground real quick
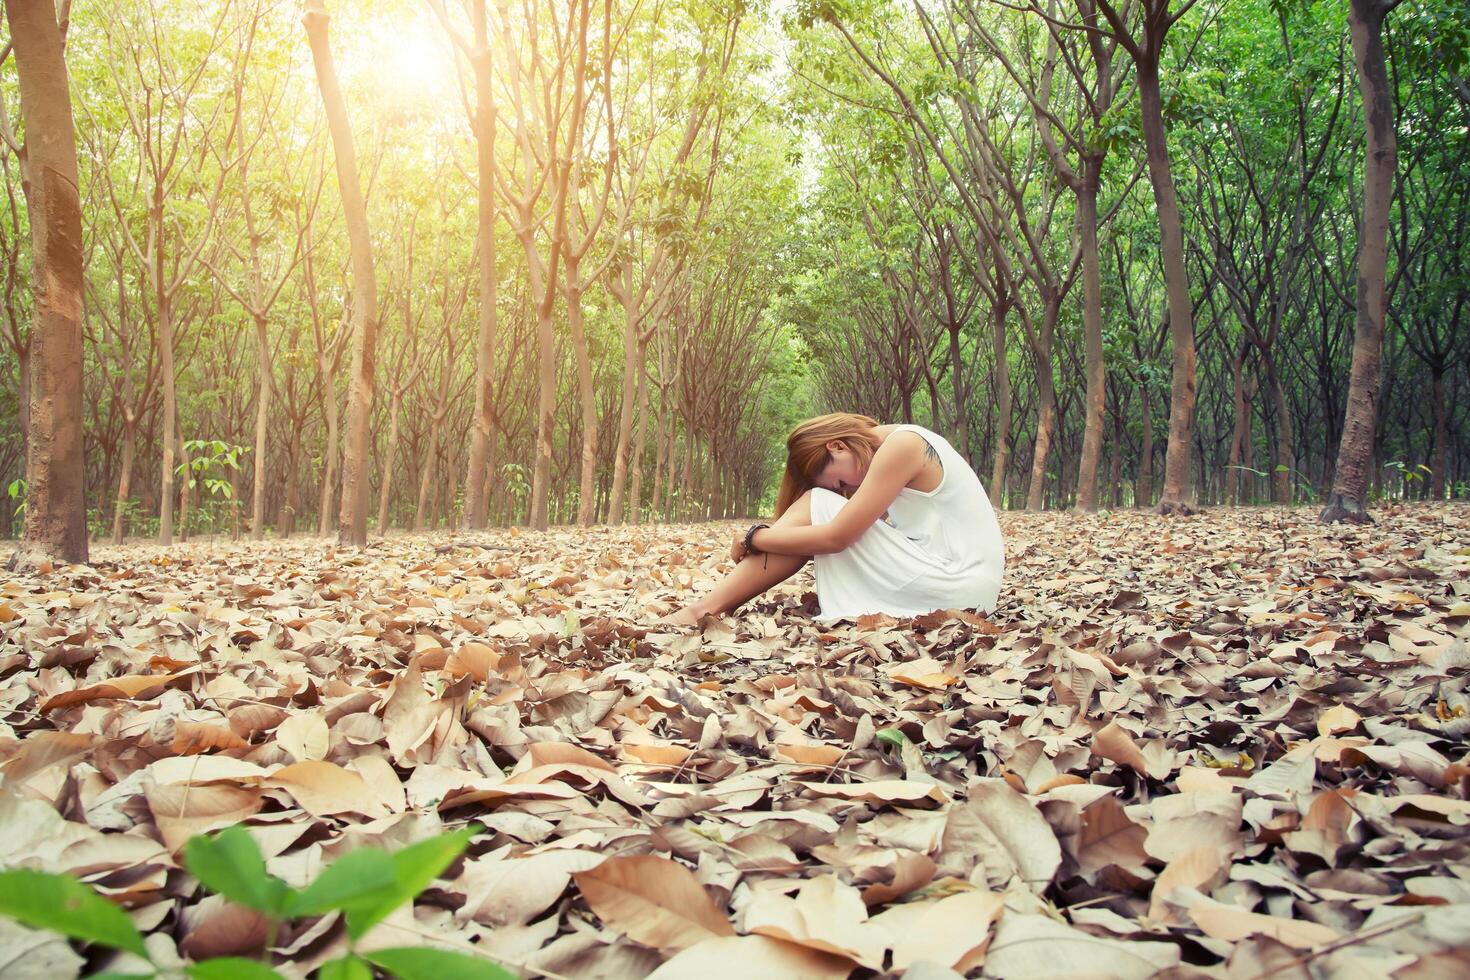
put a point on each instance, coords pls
(232, 968)
(414, 868)
(230, 863)
(351, 880)
(892, 736)
(60, 902)
(349, 967)
(423, 963)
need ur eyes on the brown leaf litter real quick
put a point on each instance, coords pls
(1228, 745)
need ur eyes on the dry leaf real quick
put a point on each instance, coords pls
(654, 900)
(325, 788)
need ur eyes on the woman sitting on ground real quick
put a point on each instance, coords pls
(896, 519)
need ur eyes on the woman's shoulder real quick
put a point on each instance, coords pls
(927, 435)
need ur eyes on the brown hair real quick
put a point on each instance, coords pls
(806, 450)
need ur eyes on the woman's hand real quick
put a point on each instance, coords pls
(737, 547)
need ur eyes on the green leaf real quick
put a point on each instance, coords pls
(349, 967)
(892, 736)
(230, 863)
(421, 963)
(232, 968)
(61, 903)
(349, 881)
(414, 868)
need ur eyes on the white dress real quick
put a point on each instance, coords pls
(939, 549)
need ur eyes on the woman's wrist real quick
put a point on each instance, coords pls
(750, 543)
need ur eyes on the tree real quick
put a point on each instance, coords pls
(352, 519)
(56, 503)
(1349, 498)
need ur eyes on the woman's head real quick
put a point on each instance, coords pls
(831, 451)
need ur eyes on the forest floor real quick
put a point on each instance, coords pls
(1227, 745)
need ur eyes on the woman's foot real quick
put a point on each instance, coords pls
(688, 616)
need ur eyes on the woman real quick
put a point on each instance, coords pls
(896, 519)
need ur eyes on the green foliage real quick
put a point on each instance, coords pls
(208, 460)
(17, 491)
(61, 903)
(364, 885)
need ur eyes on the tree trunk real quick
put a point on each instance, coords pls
(587, 484)
(125, 479)
(1003, 404)
(1046, 404)
(1349, 497)
(286, 522)
(56, 500)
(352, 521)
(1045, 426)
(426, 479)
(1144, 493)
(1092, 329)
(1115, 463)
(1285, 456)
(635, 491)
(1234, 475)
(1439, 458)
(1176, 285)
(330, 453)
(166, 368)
(633, 354)
(483, 431)
(390, 459)
(185, 486)
(262, 415)
(545, 414)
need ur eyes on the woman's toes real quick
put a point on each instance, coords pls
(683, 617)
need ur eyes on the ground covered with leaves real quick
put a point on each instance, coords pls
(1226, 745)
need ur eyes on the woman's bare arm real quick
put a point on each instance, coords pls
(898, 460)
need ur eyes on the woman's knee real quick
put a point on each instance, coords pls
(800, 511)
(823, 504)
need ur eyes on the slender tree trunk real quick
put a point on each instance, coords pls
(390, 459)
(1115, 463)
(125, 479)
(352, 521)
(286, 522)
(1234, 475)
(1046, 404)
(426, 479)
(587, 484)
(166, 369)
(1176, 285)
(483, 431)
(330, 454)
(1003, 405)
(1144, 494)
(185, 485)
(262, 416)
(1045, 426)
(1092, 329)
(660, 454)
(545, 415)
(1285, 456)
(635, 490)
(1349, 497)
(961, 407)
(633, 354)
(1439, 459)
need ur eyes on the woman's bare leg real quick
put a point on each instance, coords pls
(753, 575)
